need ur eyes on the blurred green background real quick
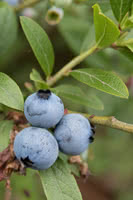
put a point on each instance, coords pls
(110, 156)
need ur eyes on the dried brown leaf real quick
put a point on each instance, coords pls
(17, 117)
(8, 162)
(84, 171)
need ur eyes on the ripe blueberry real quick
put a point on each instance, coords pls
(43, 109)
(73, 134)
(36, 148)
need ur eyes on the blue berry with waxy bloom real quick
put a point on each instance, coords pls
(43, 109)
(74, 134)
(36, 148)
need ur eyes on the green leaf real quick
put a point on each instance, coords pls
(127, 22)
(5, 129)
(59, 183)
(126, 41)
(127, 53)
(89, 40)
(128, 44)
(120, 8)
(75, 169)
(40, 44)
(10, 94)
(39, 82)
(105, 5)
(102, 80)
(8, 27)
(76, 95)
(106, 31)
(28, 187)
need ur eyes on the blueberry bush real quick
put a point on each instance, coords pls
(77, 57)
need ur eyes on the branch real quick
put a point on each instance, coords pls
(26, 4)
(110, 121)
(68, 67)
(100, 120)
(8, 193)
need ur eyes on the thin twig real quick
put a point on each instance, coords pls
(100, 120)
(68, 67)
(108, 121)
(8, 192)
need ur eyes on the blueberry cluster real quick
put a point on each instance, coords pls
(35, 146)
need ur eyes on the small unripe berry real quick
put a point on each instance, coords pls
(54, 15)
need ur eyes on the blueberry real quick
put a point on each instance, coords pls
(43, 109)
(73, 134)
(36, 148)
(12, 2)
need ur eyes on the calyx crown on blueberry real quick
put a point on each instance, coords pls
(27, 162)
(91, 138)
(44, 94)
(43, 109)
